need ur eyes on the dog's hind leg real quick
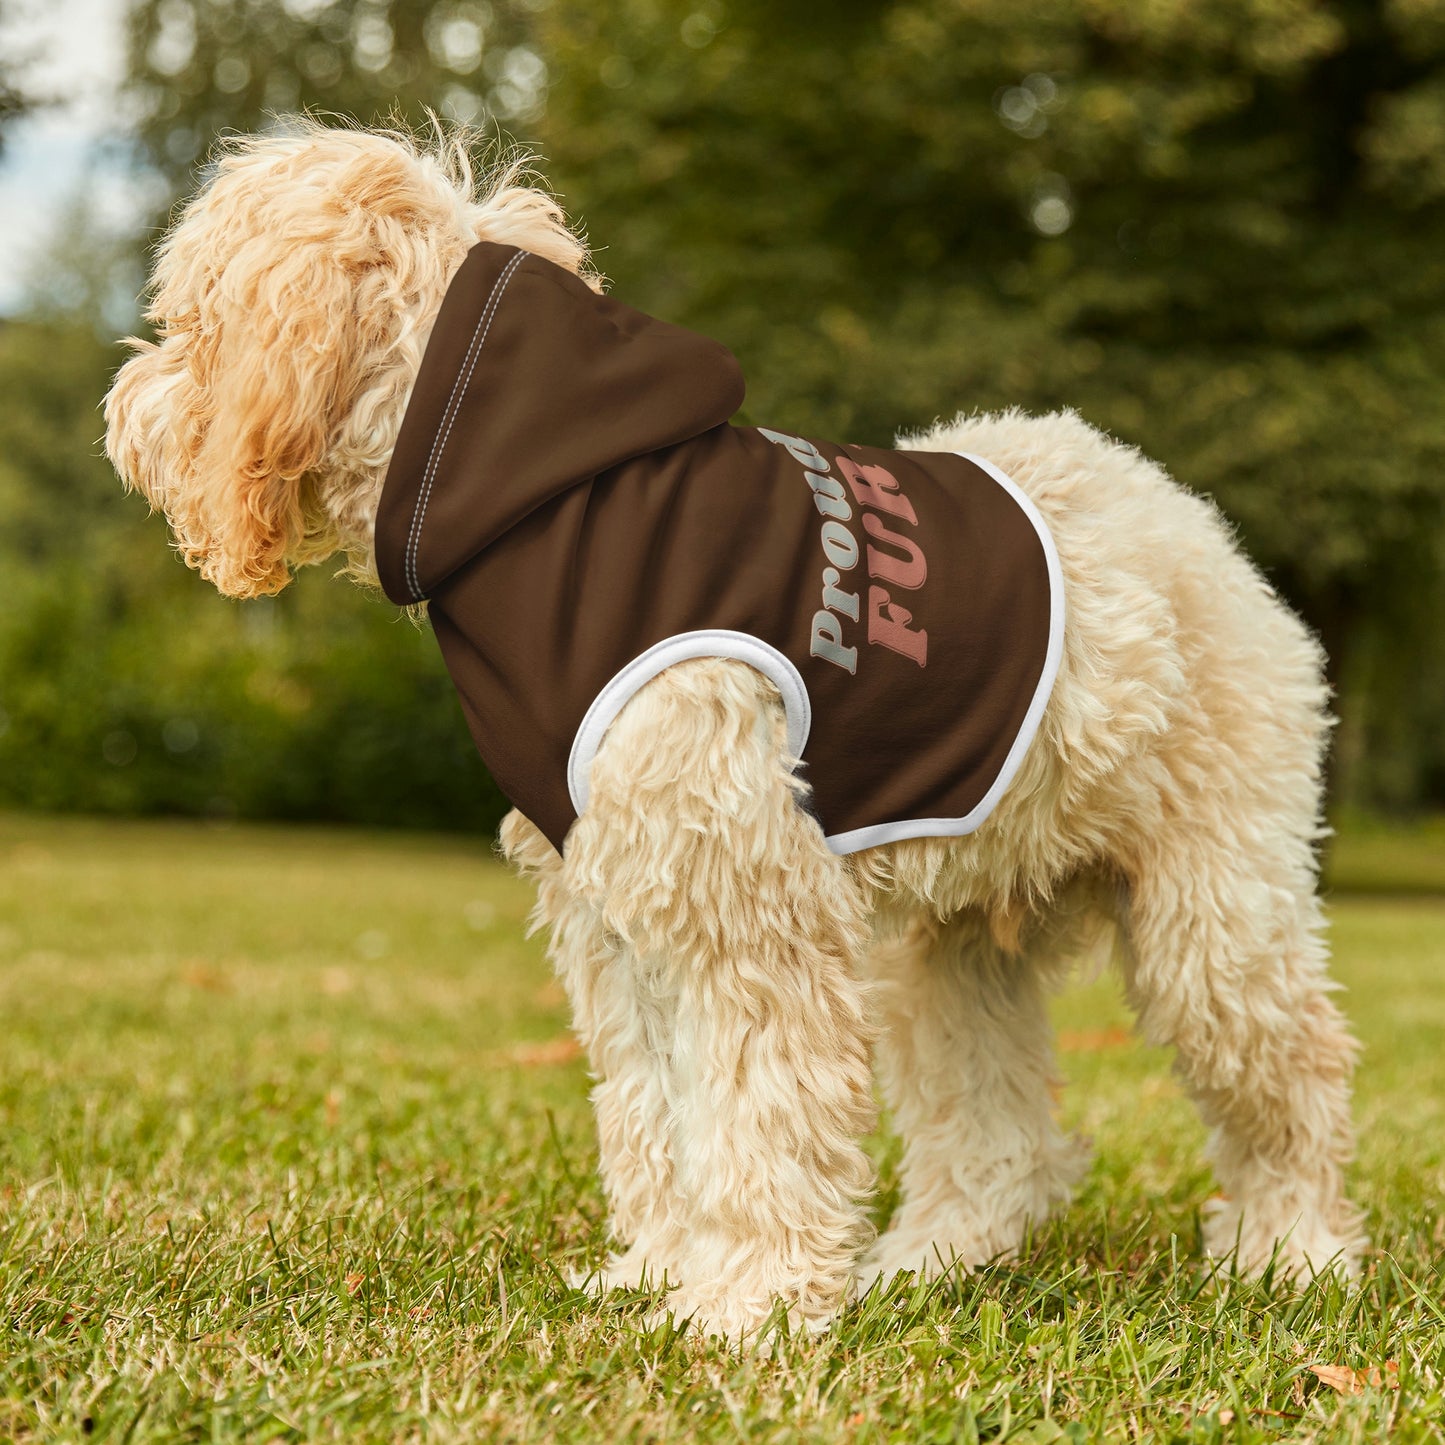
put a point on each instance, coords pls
(696, 855)
(1228, 966)
(966, 1060)
(1227, 960)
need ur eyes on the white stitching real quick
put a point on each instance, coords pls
(449, 416)
(411, 536)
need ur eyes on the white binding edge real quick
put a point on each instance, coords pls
(779, 669)
(685, 647)
(878, 833)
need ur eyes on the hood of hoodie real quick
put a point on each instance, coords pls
(531, 384)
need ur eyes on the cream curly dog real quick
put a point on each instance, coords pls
(731, 978)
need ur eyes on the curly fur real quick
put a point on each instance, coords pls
(729, 976)
(292, 301)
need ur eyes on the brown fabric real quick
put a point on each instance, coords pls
(567, 492)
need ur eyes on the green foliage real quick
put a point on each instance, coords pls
(1216, 229)
(280, 1157)
(14, 101)
(202, 67)
(128, 686)
(12, 105)
(295, 709)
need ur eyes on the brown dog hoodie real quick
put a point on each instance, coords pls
(569, 497)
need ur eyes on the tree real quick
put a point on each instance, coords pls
(1216, 227)
(202, 67)
(14, 100)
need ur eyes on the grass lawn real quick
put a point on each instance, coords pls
(293, 1146)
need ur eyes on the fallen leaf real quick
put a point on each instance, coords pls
(1347, 1381)
(561, 1050)
(197, 973)
(1090, 1041)
(354, 1282)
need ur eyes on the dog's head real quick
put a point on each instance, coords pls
(292, 300)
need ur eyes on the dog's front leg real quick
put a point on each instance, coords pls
(742, 930)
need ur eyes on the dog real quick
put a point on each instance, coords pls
(733, 978)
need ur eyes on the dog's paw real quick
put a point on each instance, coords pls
(955, 1244)
(1299, 1245)
(633, 1270)
(740, 1323)
(965, 1228)
(897, 1253)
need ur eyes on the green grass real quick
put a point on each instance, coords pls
(1370, 855)
(284, 1155)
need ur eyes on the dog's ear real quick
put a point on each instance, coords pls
(147, 410)
(276, 363)
(222, 423)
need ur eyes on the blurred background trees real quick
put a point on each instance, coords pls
(14, 100)
(1214, 227)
